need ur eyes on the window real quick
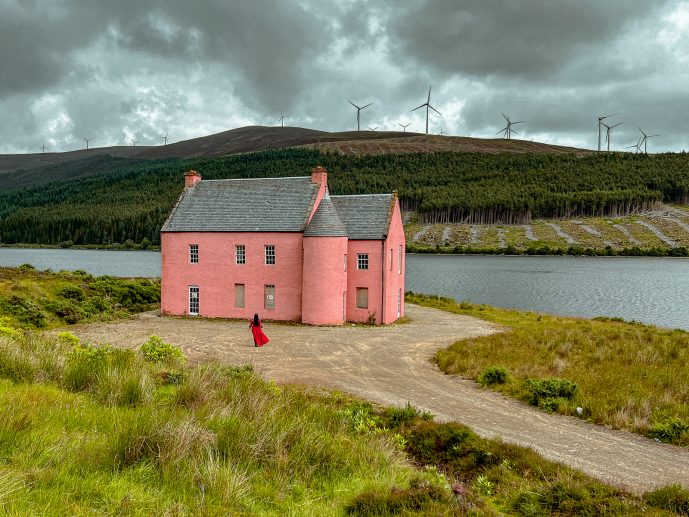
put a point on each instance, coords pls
(194, 300)
(194, 253)
(399, 259)
(345, 262)
(269, 297)
(362, 261)
(240, 254)
(270, 254)
(399, 303)
(239, 296)
(362, 297)
(390, 259)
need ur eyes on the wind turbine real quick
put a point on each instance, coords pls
(507, 130)
(644, 139)
(428, 105)
(442, 131)
(358, 112)
(43, 147)
(87, 140)
(405, 126)
(637, 145)
(133, 141)
(282, 120)
(600, 122)
(164, 138)
(372, 128)
(607, 132)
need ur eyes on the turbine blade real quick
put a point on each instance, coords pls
(429, 94)
(357, 107)
(505, 117)
(366, 105)
(424, 104)
(435, 110)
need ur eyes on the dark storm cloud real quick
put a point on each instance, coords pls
(136, 69)
(530, 40)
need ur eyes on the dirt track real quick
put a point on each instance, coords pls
(391, 365)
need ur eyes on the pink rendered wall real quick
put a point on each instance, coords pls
(325, 280)
(370, 278)
(216, 273)
(394, 279)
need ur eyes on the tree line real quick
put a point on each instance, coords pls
(111, 200)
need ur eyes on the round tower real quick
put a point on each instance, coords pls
(325, 277)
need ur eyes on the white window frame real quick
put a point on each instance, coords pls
(391, 257)
(240, 254)
(193, 254)
(194, 300)
(399, 303)
(345, 262)
(269, 254)
(362, 261)
(399, 259)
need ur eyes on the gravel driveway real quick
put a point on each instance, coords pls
(391, 365)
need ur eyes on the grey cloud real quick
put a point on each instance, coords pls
(531, 40)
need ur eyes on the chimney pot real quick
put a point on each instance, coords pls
(191, 178)
(319, 175)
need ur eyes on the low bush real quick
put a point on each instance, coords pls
(671, 430)
(674, 498)
(493, 375)
(155, 350)
(420, 498)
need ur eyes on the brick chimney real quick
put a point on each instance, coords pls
(320, 176)
(191, 178)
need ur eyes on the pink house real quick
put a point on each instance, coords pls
(285, 249)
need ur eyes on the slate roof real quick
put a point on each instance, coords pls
(325, 222)
(367, 217)
(278, 205)
(244, 205)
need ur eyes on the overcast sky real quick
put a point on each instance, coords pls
(118, 70)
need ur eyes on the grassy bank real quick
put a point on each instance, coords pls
(93, 430)
(33, 299)
(623, 374)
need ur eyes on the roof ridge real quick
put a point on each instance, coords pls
(358, 195)
(256, 179)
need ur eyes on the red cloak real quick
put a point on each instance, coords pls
(260, 338)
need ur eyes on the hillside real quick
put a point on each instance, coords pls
(105, 200)
(260, 138)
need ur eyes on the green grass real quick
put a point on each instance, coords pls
(627, 375)
(88, 430)
(33, 299)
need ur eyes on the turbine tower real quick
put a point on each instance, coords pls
(43, 147)
(644, 139)
(427, 104)
(607, 132)
(133, 141)
(405, 126)
(358, 112)
(600, 122)
(507, 130)
(637, 145)
(282, 119)
(164, 137)
(87, 140)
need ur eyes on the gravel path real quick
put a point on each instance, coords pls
(667, 240)
(528, 232)
(419, 235)
(391, 365)
(628, 234)
(561, 233)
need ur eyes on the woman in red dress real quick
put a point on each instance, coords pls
(256, 327)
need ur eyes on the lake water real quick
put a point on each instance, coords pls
(652, 290)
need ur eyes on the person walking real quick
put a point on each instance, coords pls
(256, 327)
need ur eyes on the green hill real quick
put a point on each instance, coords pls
(105, 199)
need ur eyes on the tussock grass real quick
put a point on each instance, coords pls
(627, 375)
(92, 430)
